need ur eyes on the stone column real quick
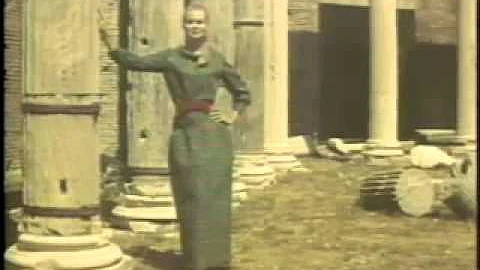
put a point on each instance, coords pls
(249, 134)
(384, 78)
(222, 37)
(59, 225)
(276, 86)
(153, 26)
(467, 72)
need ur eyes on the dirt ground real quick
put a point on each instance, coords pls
(314, 221)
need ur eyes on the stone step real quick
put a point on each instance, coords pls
(438, 137)
(145, 213)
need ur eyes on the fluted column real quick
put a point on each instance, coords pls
(467, 72)
(383, 130)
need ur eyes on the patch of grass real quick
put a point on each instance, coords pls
(313, 221)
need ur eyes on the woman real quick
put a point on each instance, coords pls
(200, 154)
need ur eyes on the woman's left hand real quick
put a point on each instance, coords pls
(219, 117)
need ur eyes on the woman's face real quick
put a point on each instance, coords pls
(195, 24)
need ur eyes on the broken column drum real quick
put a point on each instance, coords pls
(377, 191)
(463, 199)
(419, 192)
(412, 191)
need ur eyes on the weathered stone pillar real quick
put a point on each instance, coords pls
(221, 30)
(154, 25)
(384, 78)
(222, 37)
(276, 86)
(251, 160)
(467, 71)
(60, 226)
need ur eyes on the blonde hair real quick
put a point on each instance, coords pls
(196, 5)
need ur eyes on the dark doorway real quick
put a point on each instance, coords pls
(432, 79)
(406, 94)
(344, 73)
(304, 67)
(330, 77)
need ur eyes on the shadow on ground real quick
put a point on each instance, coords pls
(155, 259)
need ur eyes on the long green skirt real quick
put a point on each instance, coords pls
(200, 160)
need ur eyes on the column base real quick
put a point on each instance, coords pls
(283, 162)
(380, 149)
(469, 146)
(149, 185)
(383, 152)
(239, 189)
(239, 193)
(146, 213)
(42, 243)
(254, 170)
(106, 256)
(125, 219)
(152, 217)
(157, 206)
(148, 207)
(462, 150)
(147, 198)
(157, 214)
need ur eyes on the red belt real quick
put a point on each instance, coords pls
(184, 106)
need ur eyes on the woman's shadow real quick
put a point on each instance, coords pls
(162, 260)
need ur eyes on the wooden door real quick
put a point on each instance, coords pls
(154, 26)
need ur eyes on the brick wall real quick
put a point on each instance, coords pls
(109, 128)
(13, 85)
(436, 21)
(303, 15)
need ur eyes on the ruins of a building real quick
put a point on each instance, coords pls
(329, 41)
(341, 77)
